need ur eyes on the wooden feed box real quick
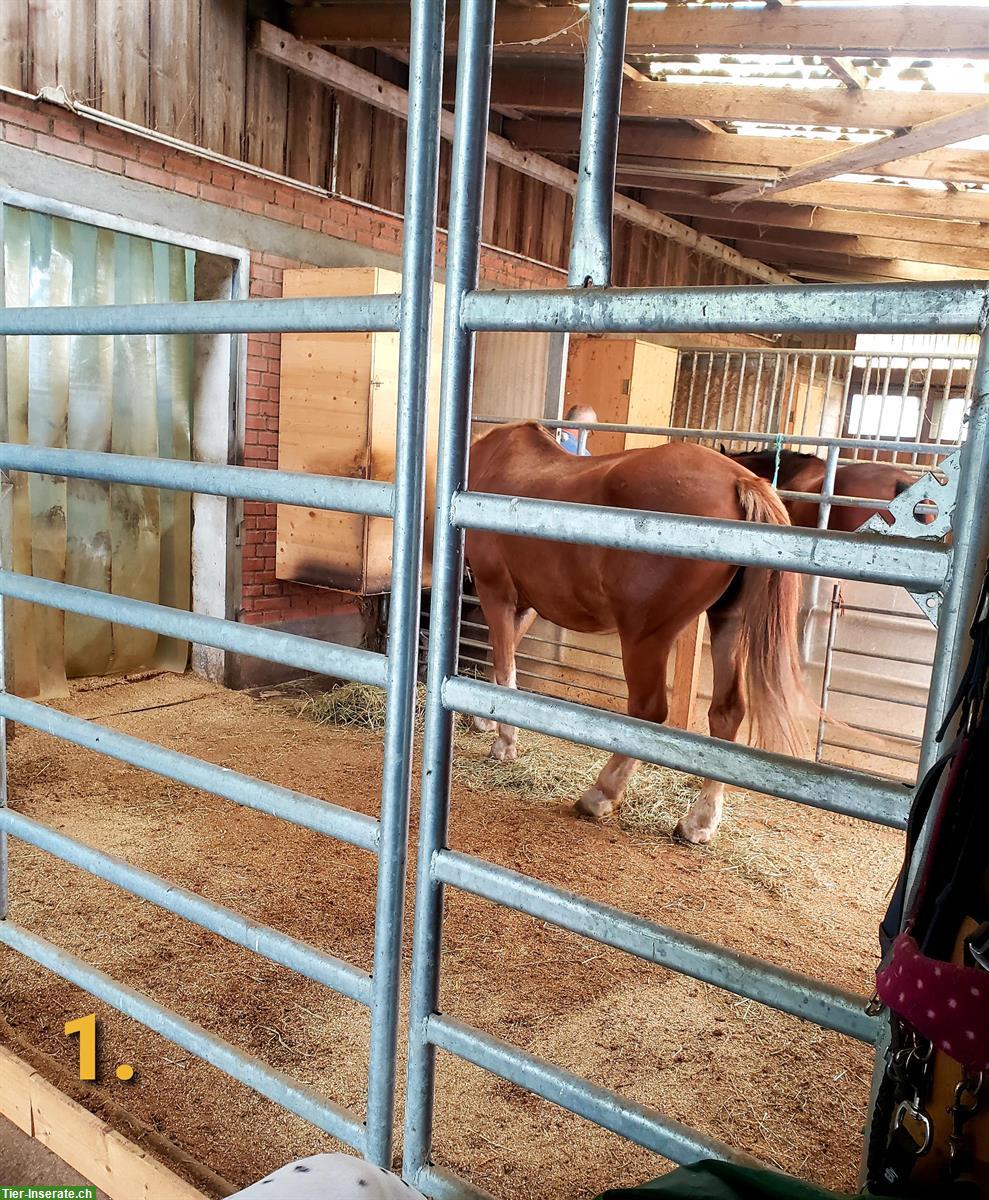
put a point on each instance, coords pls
(626, 382)
(337, 415)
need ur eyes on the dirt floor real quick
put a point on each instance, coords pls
(787, 1091)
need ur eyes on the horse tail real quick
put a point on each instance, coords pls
(770, 657)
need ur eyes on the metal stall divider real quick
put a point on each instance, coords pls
(395, 671)
(955, 572)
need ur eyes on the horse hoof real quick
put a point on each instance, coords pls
(504, 752)
(483, 724)
(696, 837)
(594, 803)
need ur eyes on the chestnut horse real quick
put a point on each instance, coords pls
(805, 473)
(646, 598)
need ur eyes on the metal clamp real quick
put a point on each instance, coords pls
(928, 492)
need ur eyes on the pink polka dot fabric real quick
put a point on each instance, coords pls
(947, 1004)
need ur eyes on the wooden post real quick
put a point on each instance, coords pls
(686, 674)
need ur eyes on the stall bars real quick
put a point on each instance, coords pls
(387, 838)
(899, 747)
(762, 389)
(956, 572)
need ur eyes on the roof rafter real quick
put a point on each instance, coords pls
(959, 31)
(858, 197)
(335, 72)
(932, 135)
(890, 268)
(559, 89)
(780, 217)
(845, 70)
(639, 143)
(855, 245)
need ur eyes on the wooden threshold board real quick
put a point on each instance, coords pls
(81, 1140)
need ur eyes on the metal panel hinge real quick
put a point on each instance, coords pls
(923, 510)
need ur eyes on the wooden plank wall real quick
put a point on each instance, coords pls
(183, 67)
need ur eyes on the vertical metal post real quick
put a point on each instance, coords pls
(556, 375)
(418, 259)
(590, 245)
(467, 188)
(738, 395)
(970, 549)
(813, 585)
(6, 561)
(822, 718)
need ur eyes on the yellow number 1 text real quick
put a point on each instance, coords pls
(86, 1029)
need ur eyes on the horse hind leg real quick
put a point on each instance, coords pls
(506, 627)
(521, 625)
(725, 715)
(645, 673)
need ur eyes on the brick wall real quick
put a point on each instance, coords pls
(52, 130)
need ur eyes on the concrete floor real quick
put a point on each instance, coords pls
(24, 1161)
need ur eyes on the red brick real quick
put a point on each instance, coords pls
(271, 603)
(155, 175)
(251, 185)
(70, 150)
(153, 155)
(222, 178)
(214, 195)
(103, 139)
(18, 136)
(29, 118)
(109, 162)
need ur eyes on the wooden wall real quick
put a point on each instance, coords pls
(184, 68)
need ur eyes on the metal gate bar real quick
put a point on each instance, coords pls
(387, 838)
(789, 991)
(833, 788)
(828, 308)
(869, 558)
(955, 572)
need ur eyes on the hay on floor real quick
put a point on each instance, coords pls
(548, 770)
(354, 706)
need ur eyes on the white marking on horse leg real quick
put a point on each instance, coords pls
(704, 815)
(606, 794)
(505, 746)
(483, 724)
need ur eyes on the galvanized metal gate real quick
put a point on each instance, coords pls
(591, 306)
(387, 838)
(915, 564)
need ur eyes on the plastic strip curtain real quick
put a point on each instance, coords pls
(130, 394)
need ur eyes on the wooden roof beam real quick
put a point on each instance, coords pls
(890, 268)
(780, 217)
(642, 146)
(335, 72)
(869, 156)
(960, 30)
(883, 198)
(636, 76)
(559, 89)
(845, 70)
(855, 245)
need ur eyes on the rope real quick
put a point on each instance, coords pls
(779, 455)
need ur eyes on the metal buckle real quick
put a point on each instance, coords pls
(914, 1110)
(977, 946)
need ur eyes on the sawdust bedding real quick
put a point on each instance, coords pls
(792, 885)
